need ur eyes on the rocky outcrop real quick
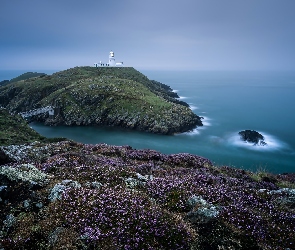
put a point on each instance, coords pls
(252, 136)
(201, 212)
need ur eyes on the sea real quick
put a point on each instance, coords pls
(229, 102)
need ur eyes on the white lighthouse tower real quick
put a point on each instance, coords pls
(112, 62)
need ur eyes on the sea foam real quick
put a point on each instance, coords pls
(196, 131)
(192, 107)
(206, 121)
(182, 97)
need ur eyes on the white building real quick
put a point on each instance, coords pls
(111, 63)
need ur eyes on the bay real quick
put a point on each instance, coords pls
(229, 102)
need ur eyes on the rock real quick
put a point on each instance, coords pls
(252, 136)
(39, 205)
(58, 190)
(27, 204)
(53, 237)
(96, 185)
(4, 158)
(139, 181)
(3, 192)
(71, 183)
(9, 221)
(287, 196)
(26, 173)
(203, 215)
(132, 183)
(141, 177)
(194, 201)
(201, 212)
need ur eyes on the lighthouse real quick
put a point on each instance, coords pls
(112, 62)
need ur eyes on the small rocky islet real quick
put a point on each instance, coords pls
(60, 194)
(252, 136)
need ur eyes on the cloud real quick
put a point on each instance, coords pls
(197, 34)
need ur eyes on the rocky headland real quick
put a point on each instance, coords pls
(68, 195)
(100, 96)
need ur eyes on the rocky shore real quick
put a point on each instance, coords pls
(101, 96)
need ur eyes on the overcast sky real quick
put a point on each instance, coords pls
(148, 34)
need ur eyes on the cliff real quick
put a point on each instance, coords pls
(102, 96)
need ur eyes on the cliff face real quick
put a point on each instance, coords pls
(110, 96)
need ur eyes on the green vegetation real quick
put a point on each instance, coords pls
(109, 96)
(26, 76)
(15, 130)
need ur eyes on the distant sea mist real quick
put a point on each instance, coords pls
(229, 102)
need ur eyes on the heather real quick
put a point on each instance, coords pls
(83, 196)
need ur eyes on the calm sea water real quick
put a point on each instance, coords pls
(229, 102)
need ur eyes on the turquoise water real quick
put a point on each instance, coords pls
(229, 102)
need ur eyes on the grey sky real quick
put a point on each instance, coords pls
(154, 34)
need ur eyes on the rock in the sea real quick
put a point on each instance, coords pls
(252, 136)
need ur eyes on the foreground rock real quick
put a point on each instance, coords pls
(115, 197)
(252, 136)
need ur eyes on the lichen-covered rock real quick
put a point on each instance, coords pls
(201, 211)
(9, 221)
(93, 185)
(24, 172)
(203, 215)
(56, 192)
(139, 181)
(59, 189)
(196, 200)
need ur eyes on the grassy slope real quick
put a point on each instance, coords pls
(26, 76)
(15, 130)
(38, 88)
(87, 95)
